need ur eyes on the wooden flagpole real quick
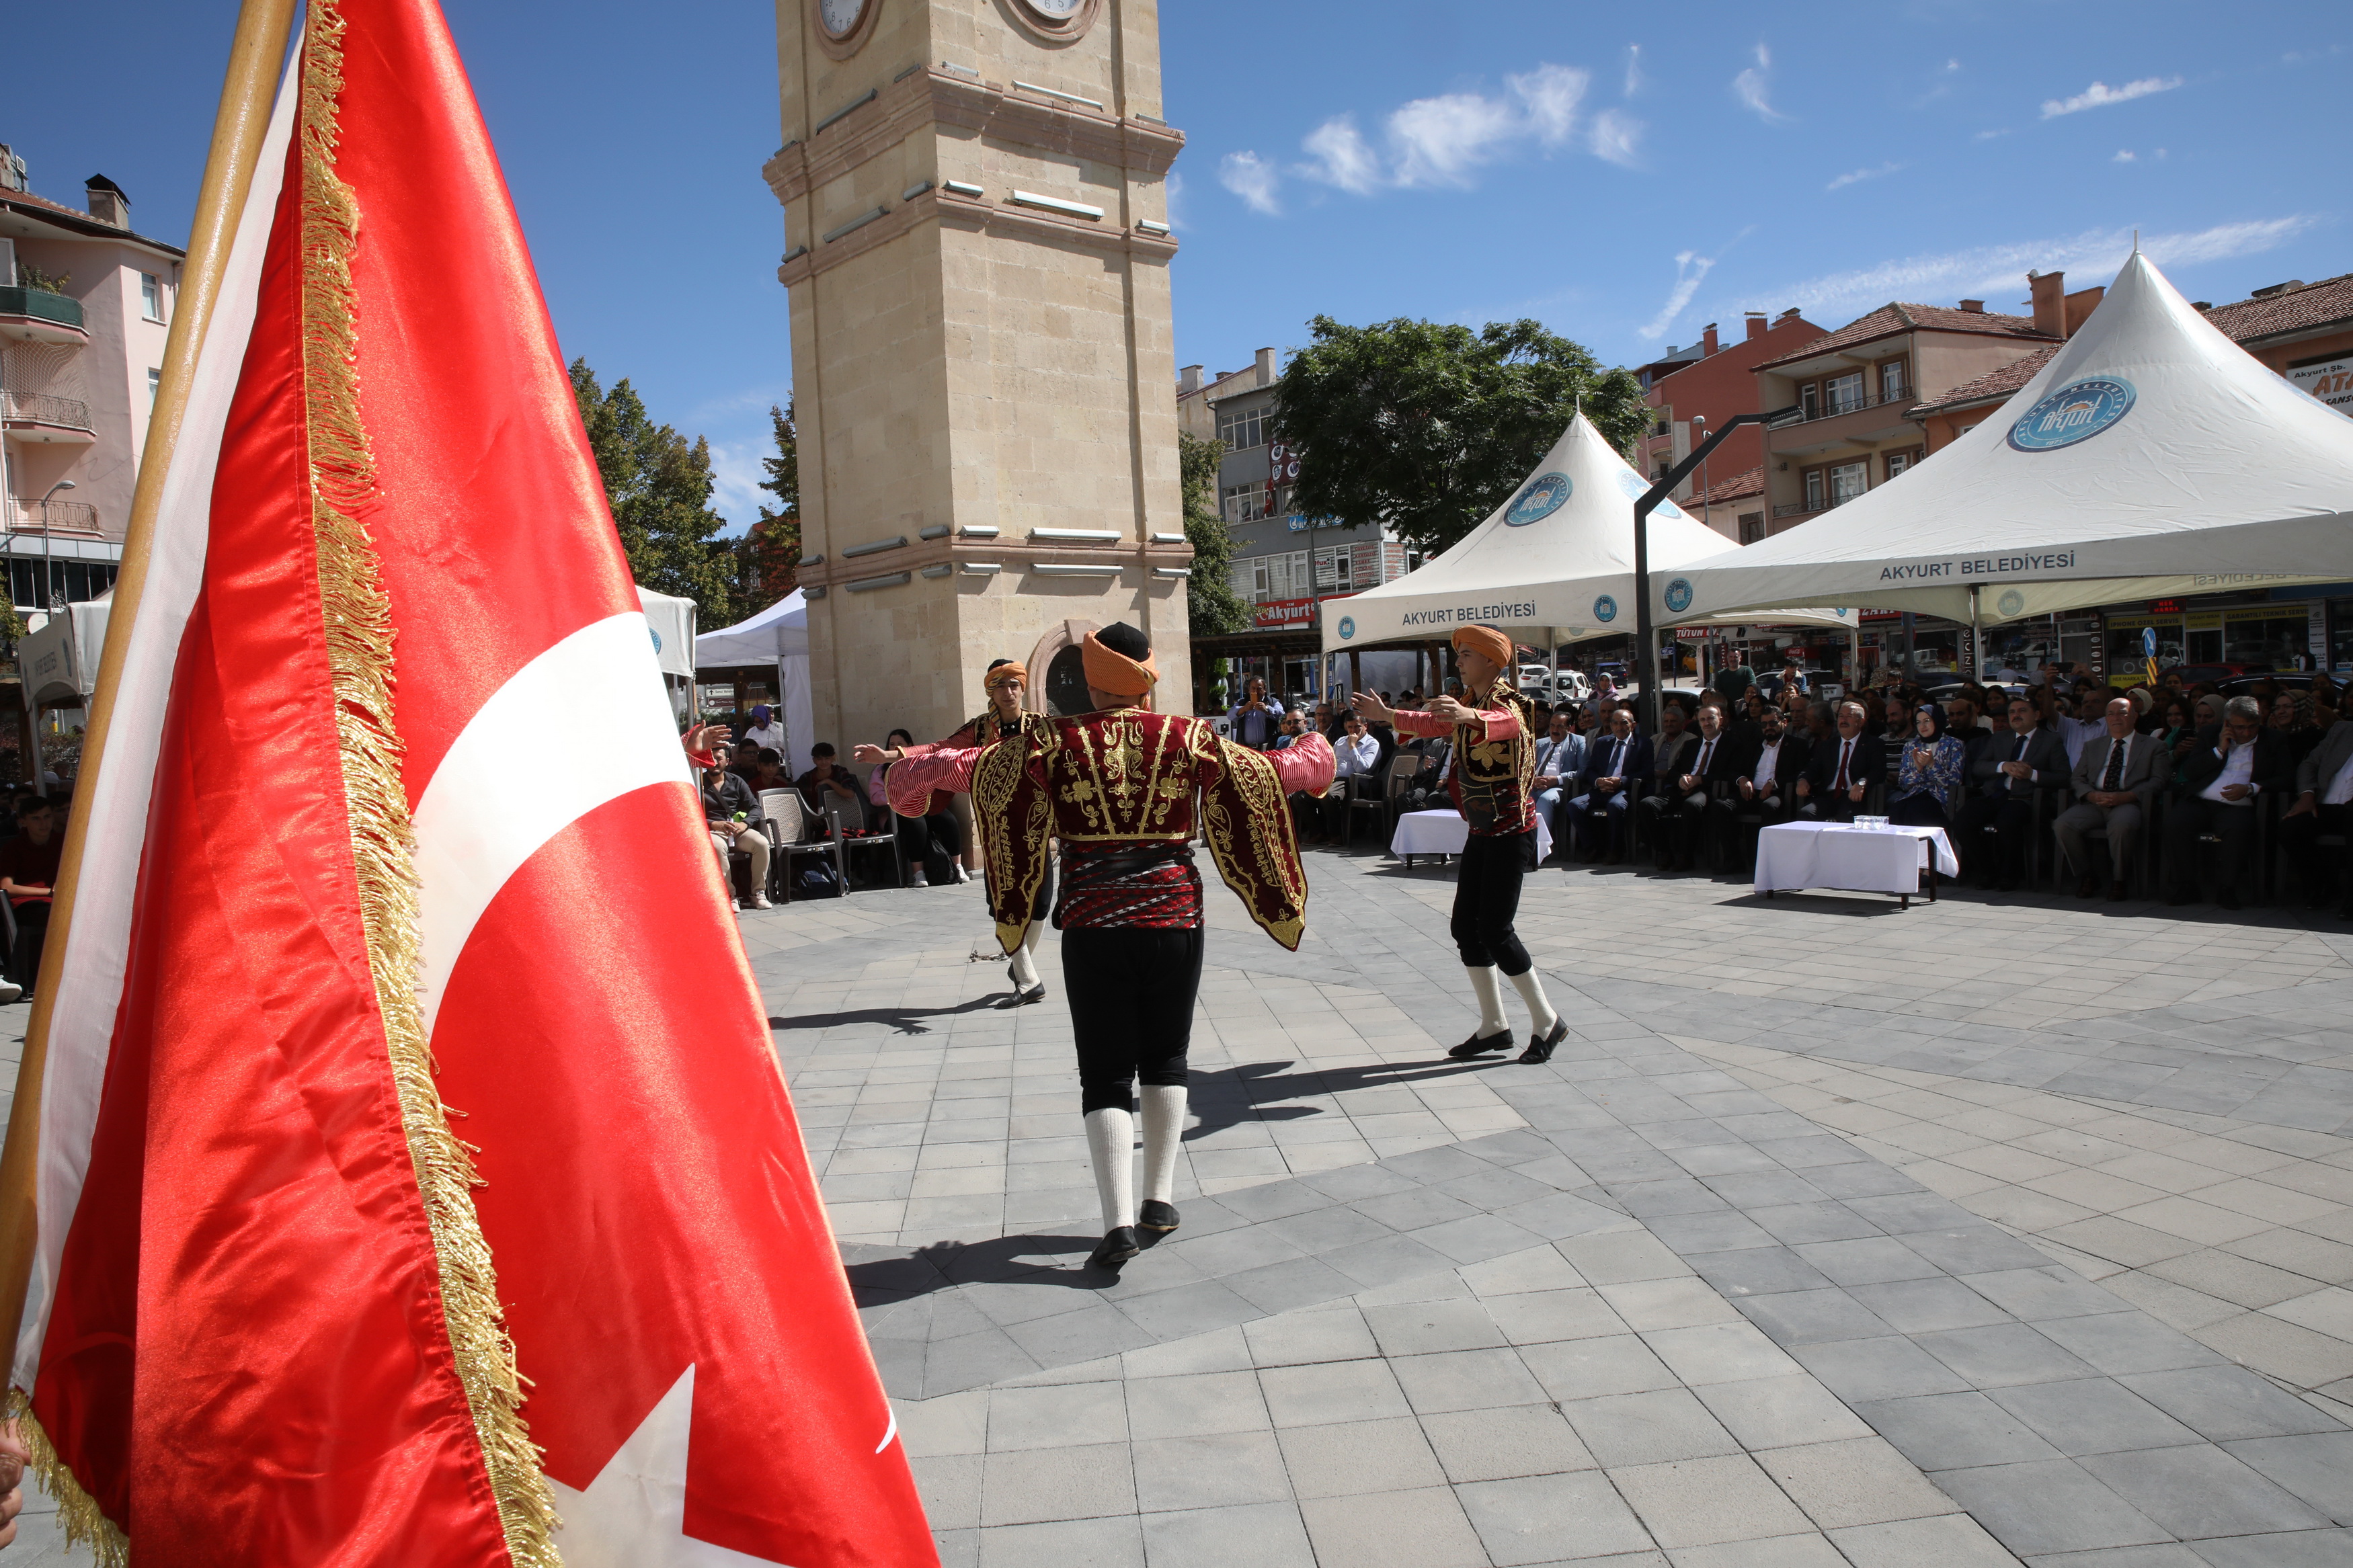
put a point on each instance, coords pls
(257, 55)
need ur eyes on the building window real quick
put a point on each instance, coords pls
(151, 296)
(1809, 398)
(1963, 431)
(1842, 393)
(1898, 462)
(1813, 489)
(1849, 481)
(1752, 527)
(1891, 381)
(1243, 503)
(155, 385)
(1242, 428)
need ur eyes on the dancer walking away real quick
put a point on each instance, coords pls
(919, 789)
(1493, 784)
(1123, 788)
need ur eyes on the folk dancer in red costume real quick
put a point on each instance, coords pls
(1125, 789)
(1491, 782)
(912, 794)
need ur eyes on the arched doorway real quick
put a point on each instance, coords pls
(1061, 688)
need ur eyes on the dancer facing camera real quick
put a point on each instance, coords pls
(1125, 789)
(916, 789)
(1493, 784)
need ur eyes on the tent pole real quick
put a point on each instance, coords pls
(1976, 635)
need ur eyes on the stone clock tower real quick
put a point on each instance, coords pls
(978, 252)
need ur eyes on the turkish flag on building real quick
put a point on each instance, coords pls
(391, 844)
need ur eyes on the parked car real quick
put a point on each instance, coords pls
(2192, 674)
(1769, 682)
(2244, 685)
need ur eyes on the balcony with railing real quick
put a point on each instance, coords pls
(38, 416)
(40, 316)
(65, 519)
(1861, 414)
(1809, 507)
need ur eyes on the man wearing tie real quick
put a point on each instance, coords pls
(2324, 805)
(1560, 757)
(1769, 781)
(1677, 813)
(2220, 780)
(1615, 769)
(2002, 782)
(1845, 766)
(2116, 780)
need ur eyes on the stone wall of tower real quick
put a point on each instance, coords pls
(977, 256)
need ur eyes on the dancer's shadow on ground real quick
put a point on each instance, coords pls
(906, 1020)
(1051, 1261)
(1225, 1097)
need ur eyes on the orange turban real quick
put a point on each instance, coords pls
(1110, 670)
(1485, 641)
(1003, 673)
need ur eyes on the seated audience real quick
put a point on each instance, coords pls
(1356, 755)
(1928, 775)
(930, 846)
(2324, 806)
(1845, 765)
(2215, 793)
(1677, 817)
(1992, 827)
(1560, 757)
(765, 731)
(2292, 723)
(1767, 787)
(1617, 766)
(732, 813)
(2115, 780)
(828, 782)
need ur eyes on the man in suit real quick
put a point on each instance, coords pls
(1616, 769)
(2116, 780)
(2219, 785)
(2002, 782)
(1559, 758)
(1844, 767)
(2324, 805)
(1677, 817)
(1767, 783)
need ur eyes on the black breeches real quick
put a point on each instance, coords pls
(32, 931)
(1042, 908)
(929, 842)
(1487, 900)
(1131, 991)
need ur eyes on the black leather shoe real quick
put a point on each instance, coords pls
(1541, 1047)
(1021, 998)
(1156, 1216)
(1480, 1046)
(1116, 1247)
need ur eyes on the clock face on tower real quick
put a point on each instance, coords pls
(1056, 21)
(841, 16)
(1055, 10)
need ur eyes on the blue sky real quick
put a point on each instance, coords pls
(1625, 175)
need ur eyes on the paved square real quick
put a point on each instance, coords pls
(1974, 1233)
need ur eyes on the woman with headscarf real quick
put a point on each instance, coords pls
(1928, 778)
(1493, 785)
(765, 731)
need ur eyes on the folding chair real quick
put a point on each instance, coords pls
(788, 840)
(839, 827)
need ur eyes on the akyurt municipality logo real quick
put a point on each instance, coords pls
(1679, 595)
(2010, 603)
(2076, 412)
(1632, 483)
(1605, 608)
(1347, 628)
(1545, 494)
(657, 636)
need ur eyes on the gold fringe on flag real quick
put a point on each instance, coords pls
(78, 1511)
(359, 634)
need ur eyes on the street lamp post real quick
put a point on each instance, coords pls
(1646, 637)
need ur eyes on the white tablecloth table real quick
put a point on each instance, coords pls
(1443, 832)
(1852, 859)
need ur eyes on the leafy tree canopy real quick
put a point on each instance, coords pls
(1427, 427)
(770, 563)
(659, 487)
(1210, 598)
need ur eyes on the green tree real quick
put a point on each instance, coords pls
(1427, 427)
(659, 487)
(769, 560)
(1214, 607)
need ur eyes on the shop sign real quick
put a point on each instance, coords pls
(2332, 383)
(1289, 614)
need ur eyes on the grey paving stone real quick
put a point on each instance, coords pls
(1776, 1411)
(1223, 1469)
(2002, 1355)
(2318, 1468)
(2046, 1506)
(1813, 1317)
(2304, 1549)
(2093, 1415)
(1528, 1520)
(1423, 1529)
(1078, 1543)
(1955, 1431)
(2227, 1402)
(2038, 1293)
(2198, 1492)
(1334, 1333)
(1057, 1417)
(1648, 1428)
(1350, 1457)
(1297, 1282)
(1187, 1309)
(1540, 1317)
(1370, 1263)
(1326, 1229)
(1756, 1271)
(1869, 1260)
(1980, 1249)
(1929, 1306)
(1587, 1368)
(1863, 1371)
(1502, 1445)
(2129, 1341)
(1195, 1406)
(1252, 1535)
(1955, 1541)
(1040, 1484)
(1332, 1391)
(1719, 1352)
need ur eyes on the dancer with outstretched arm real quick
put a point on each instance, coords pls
(1493, 784)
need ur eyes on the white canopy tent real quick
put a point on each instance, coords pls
(672, 621)
(1552, 565)
(778, 636)
(60, 659)
(2151, 457)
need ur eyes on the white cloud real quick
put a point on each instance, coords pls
(735, 475)
(1343, 157)
(1690, 270)
(1952, 64)
(2124, 156)
(1633, 69)
(1984, 271)
(1749, 87)
(1989, 135)
(2099, 95)
(1254, 179)
(1438, 141)
(1549, 95)
(1614, 136)
(1172, 193)
(1860, 176)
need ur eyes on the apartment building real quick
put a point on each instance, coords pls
(1696, 390)
(85, 304)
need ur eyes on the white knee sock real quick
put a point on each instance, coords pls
(1111, 1144)
(1541, 1016)
(1163, 1131)
(1491, 1000)
(1025, 967)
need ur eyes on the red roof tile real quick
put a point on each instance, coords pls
(1991, 387)
(1891, 318)
(41, 207)
(1751, 483)
(2314, 305)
